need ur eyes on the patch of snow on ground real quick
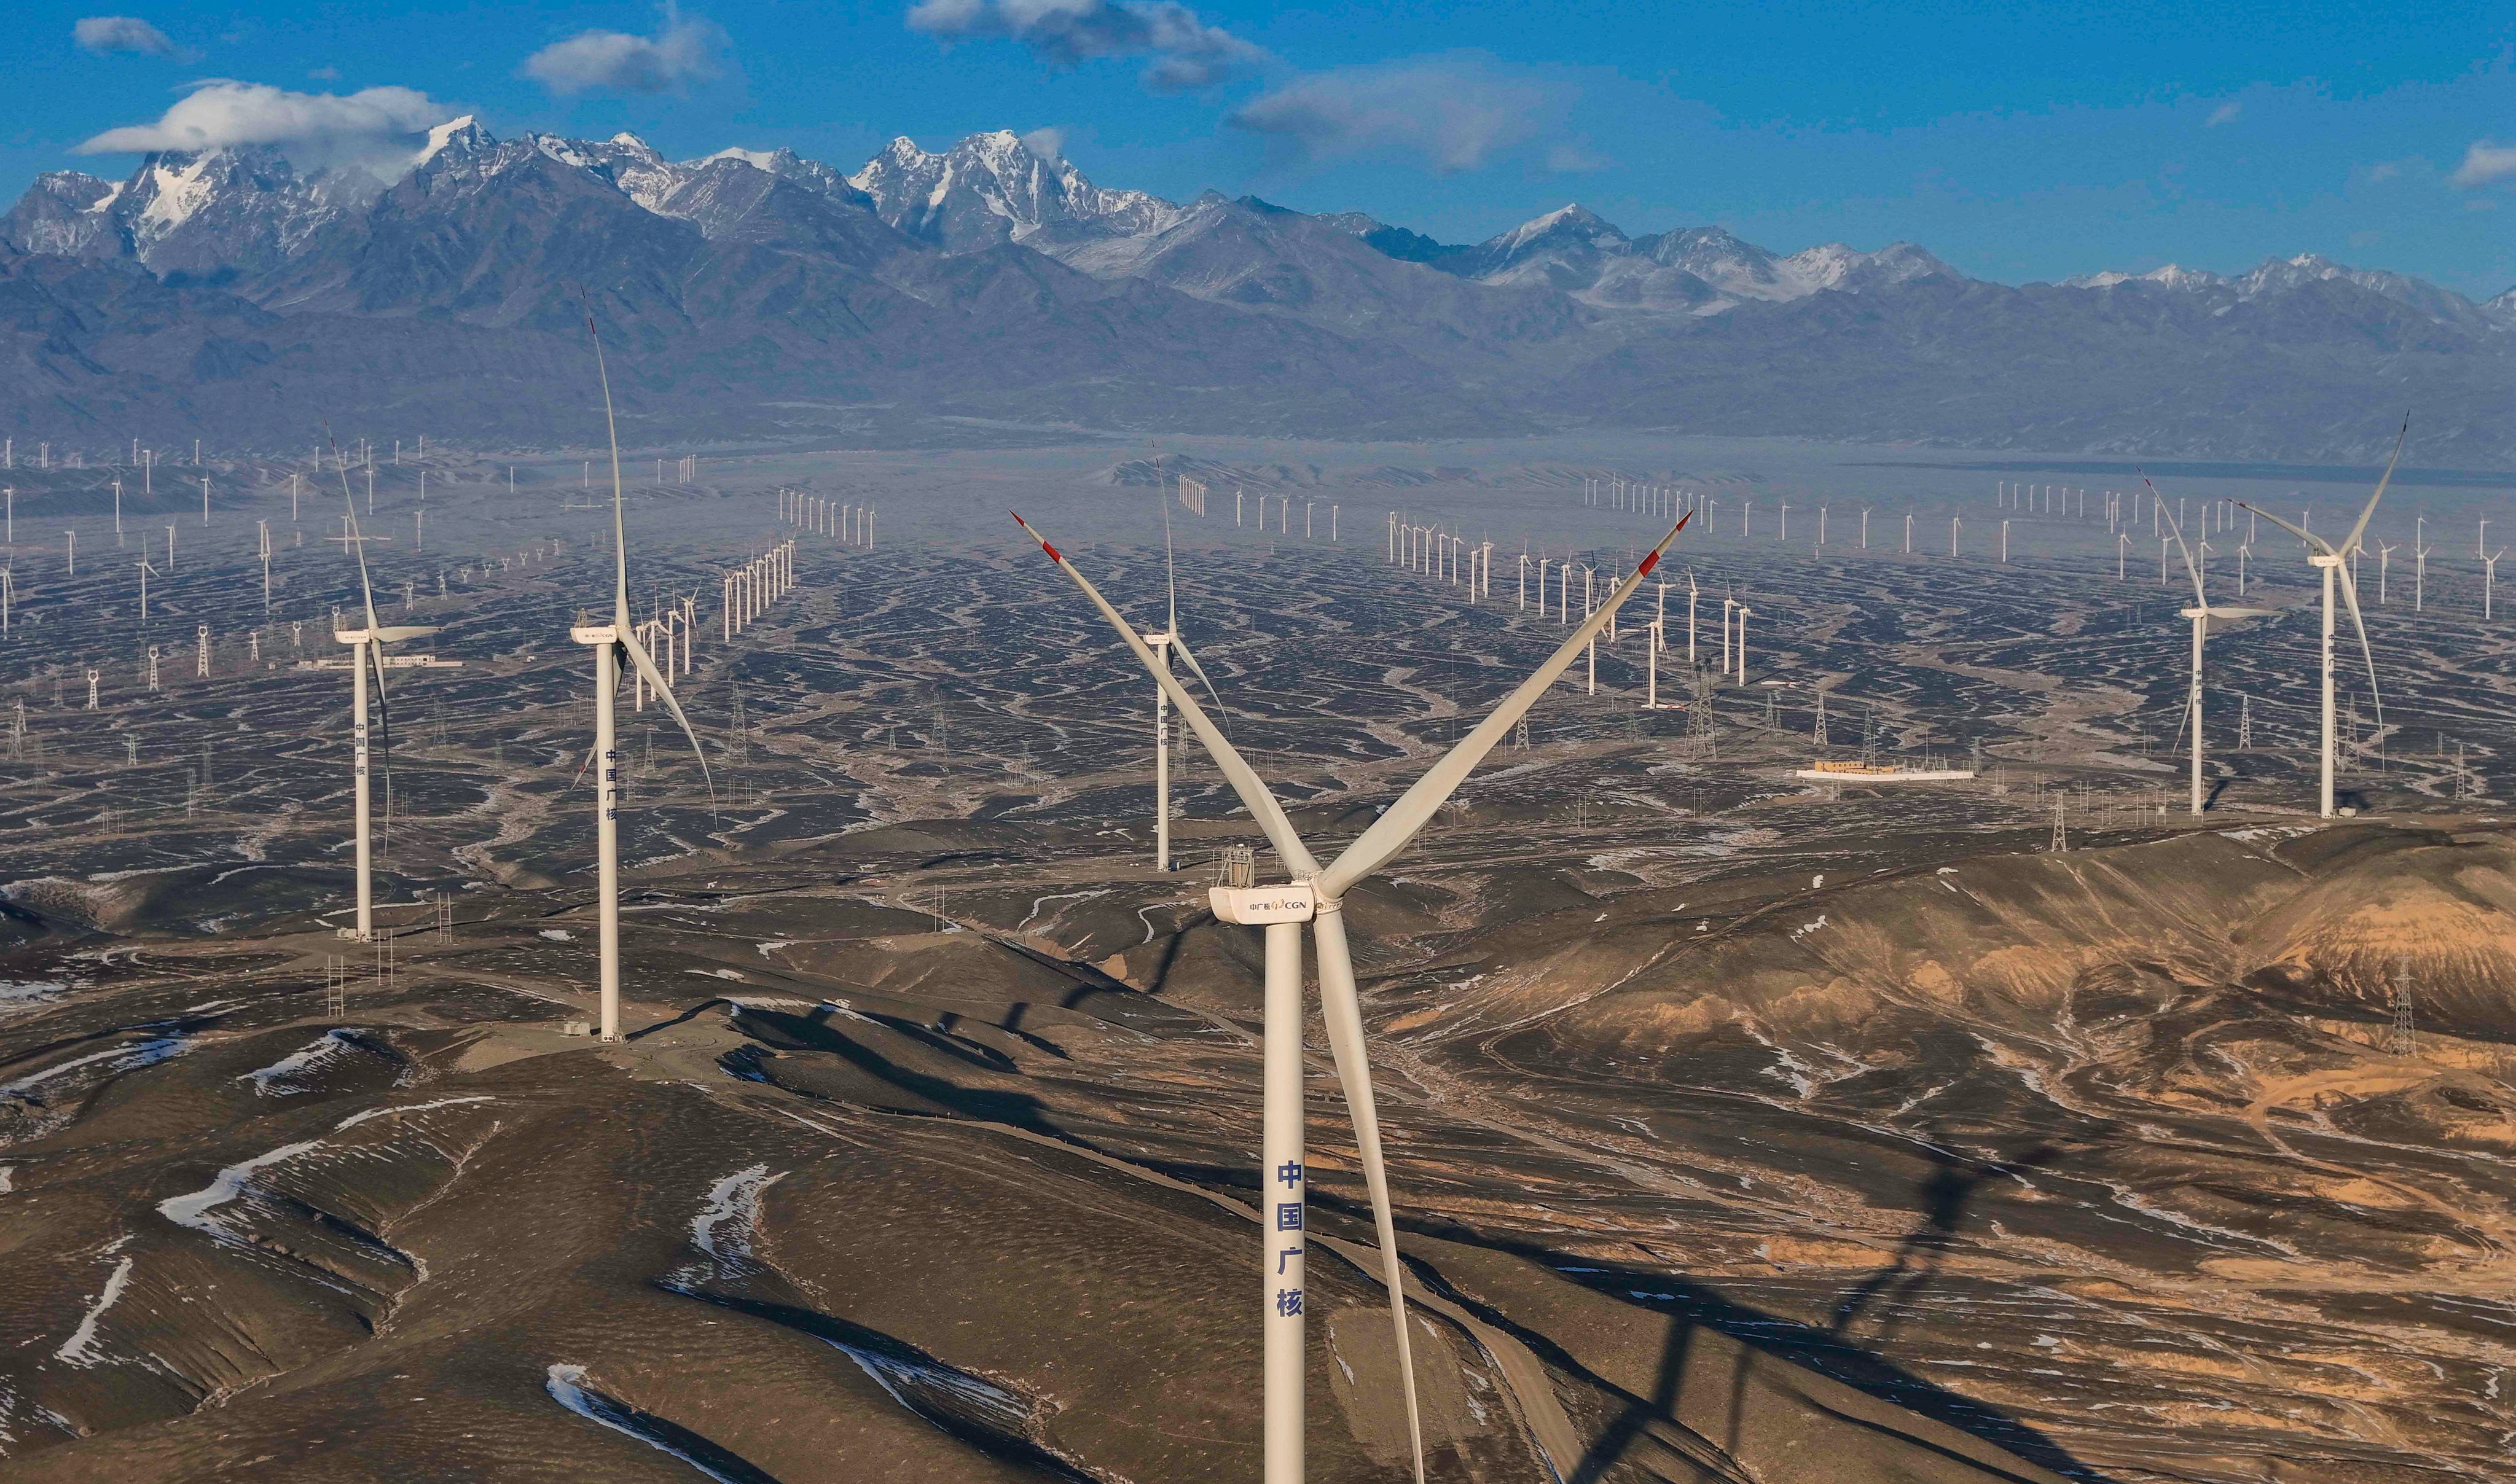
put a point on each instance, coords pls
(566, 1387)
(25, 994)
(322, 1048)
(80, 1348)
(724, 1227)
(194, 1211)
(905, 1379)
(356, 1119)
(125, 1058)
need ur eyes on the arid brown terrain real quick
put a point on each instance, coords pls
(1742, 1127)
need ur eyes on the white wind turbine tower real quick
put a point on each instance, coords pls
(608, 642)
(2200, 614)
(1315, 895)
(2333, 560)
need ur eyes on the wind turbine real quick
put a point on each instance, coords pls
(2201, 613)
(2331, 558)
(1162, 643)
(366, 650)
(1315, 895)
(609, 641)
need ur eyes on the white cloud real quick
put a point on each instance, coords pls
(1454, 115)
(1574, 159)
(223, 111)
(2224, 113)
(1183, 52)
(2485, 162)
(121, 33)
(1048, 143)
(683, 52)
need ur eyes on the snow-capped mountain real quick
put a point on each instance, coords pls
(69, 215)
(787, 165)
(241, 211)
(1563, 248)
(992, 187)
(993, 280)
(2170, 276)
(1697, 270)
(2277, 276)
(211, 214)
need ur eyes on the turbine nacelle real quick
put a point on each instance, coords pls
(1257, 906)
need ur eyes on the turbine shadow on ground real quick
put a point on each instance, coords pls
(1693, 1309)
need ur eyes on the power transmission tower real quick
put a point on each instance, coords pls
(336, 987)
(738, 742)
(1772, 712)
(446, 917)
(2061, 831)
(2245, 723)
(1869, 735)
(1818, 735)
(2406, 1042)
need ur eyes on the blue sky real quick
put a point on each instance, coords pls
(2016, 141)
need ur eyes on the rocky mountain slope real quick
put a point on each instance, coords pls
(763, 294)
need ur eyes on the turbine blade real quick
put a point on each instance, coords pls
(2200, 600)
(2350, 598)
(1390, 833)
(639, 657)
(619, 537)
(1194, 667)
(1244, 780)
(1341, 1008)
(384, 723)
(2309, 537)
(350, 504)
(1170, 574)
(2361, 529)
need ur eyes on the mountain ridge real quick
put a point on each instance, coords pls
(893, 280)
